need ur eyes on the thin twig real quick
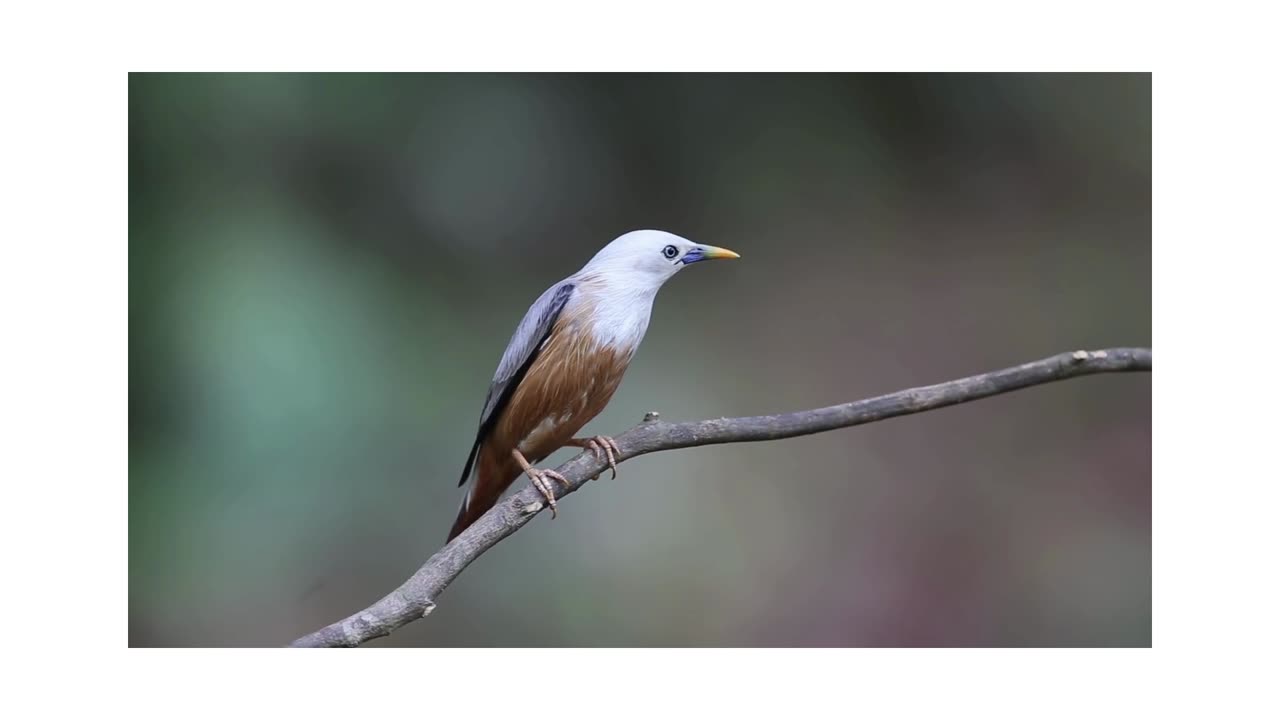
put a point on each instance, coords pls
(416, 597)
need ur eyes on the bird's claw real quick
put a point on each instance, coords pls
(538, 478)
(604, 448)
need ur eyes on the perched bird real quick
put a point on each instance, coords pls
(564, 362)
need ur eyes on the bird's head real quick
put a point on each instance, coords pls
(651, 257)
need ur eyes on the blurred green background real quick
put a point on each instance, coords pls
(325, 269)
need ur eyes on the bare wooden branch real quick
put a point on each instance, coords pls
(416, 597)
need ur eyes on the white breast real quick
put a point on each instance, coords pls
(617, 313)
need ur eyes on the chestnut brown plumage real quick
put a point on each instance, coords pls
(564, 362)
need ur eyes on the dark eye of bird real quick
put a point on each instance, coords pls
(669, 252)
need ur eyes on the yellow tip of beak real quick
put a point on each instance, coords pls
(712, 252)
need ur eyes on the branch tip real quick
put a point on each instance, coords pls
(417, 594)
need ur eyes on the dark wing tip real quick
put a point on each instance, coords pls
(471, 461)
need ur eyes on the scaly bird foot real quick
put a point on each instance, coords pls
(538, 478)
(604, 447)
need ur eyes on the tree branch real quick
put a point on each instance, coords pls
(416, 597)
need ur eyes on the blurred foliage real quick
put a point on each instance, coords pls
(324, 270)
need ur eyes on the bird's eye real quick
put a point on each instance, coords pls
(670, 252)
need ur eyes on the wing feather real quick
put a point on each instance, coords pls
(530, 335)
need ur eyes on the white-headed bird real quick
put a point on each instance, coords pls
(564, 362)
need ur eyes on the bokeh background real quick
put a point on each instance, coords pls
(324, 270)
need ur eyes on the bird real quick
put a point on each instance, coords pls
(564, 362)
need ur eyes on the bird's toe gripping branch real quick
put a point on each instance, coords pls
(538, 478)
(604, 448)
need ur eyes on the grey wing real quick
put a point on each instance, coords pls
(523, 349)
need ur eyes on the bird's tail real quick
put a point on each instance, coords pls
(492, 478)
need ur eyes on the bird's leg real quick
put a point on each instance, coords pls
(601, 445)
(539, 479)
